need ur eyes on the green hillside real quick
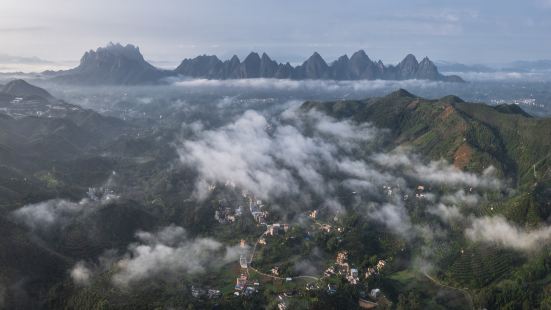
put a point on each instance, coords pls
(469, 135)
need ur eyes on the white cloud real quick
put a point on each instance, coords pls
(274, 159)
(311, 86)
(59, 212)
(395, 217)
(438, 172)
(170, 252)
(446, 213)
(51, 213)
(499, 231)
(461, 198)
(80, 273)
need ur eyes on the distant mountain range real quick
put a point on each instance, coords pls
(125, 65)
(357, 67)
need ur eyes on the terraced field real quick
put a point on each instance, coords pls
(480, 265)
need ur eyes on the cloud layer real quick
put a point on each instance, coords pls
(170, 252)
(310, 86)
(59, 212)
(499, 231)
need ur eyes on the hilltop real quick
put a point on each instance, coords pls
(473, 136)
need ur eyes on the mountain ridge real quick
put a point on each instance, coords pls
(473, 136)
(357, 67)
(116, 64)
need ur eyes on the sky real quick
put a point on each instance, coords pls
(467, 31)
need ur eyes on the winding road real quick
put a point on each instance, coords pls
(269, 275)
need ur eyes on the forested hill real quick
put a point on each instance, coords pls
(471, 135)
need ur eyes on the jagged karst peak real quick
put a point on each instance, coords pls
(361, 54)
(343, 58)
(253, 56)
(124, 64)
(316, 57)
(128, 51)
(114, 64)
(410, 58)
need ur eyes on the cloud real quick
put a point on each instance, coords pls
(59, 212)
(446, 213)
(395, 217)
(44, 215)
(80, 273)
(169, 252)
(275, 158)
(461, 198)
(316, 86)
(499, 231)
(437, 172)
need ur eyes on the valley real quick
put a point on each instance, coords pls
(391, 201)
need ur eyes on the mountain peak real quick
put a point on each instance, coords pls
(113, 64)
(253, 56)
(360, 55)
(316, 57)
(113, 50)
(451, 99)
(409, 59)
(401, 93)
(20, 88)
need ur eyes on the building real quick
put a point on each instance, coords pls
(380, 265)
(197, 292)
(370, 272)
(353, 277)
(342, 258)
(375, 293)
(241, 282)
(213, 294)
(249, 291)
(277, 229)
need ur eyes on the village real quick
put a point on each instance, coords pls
(250, 280)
